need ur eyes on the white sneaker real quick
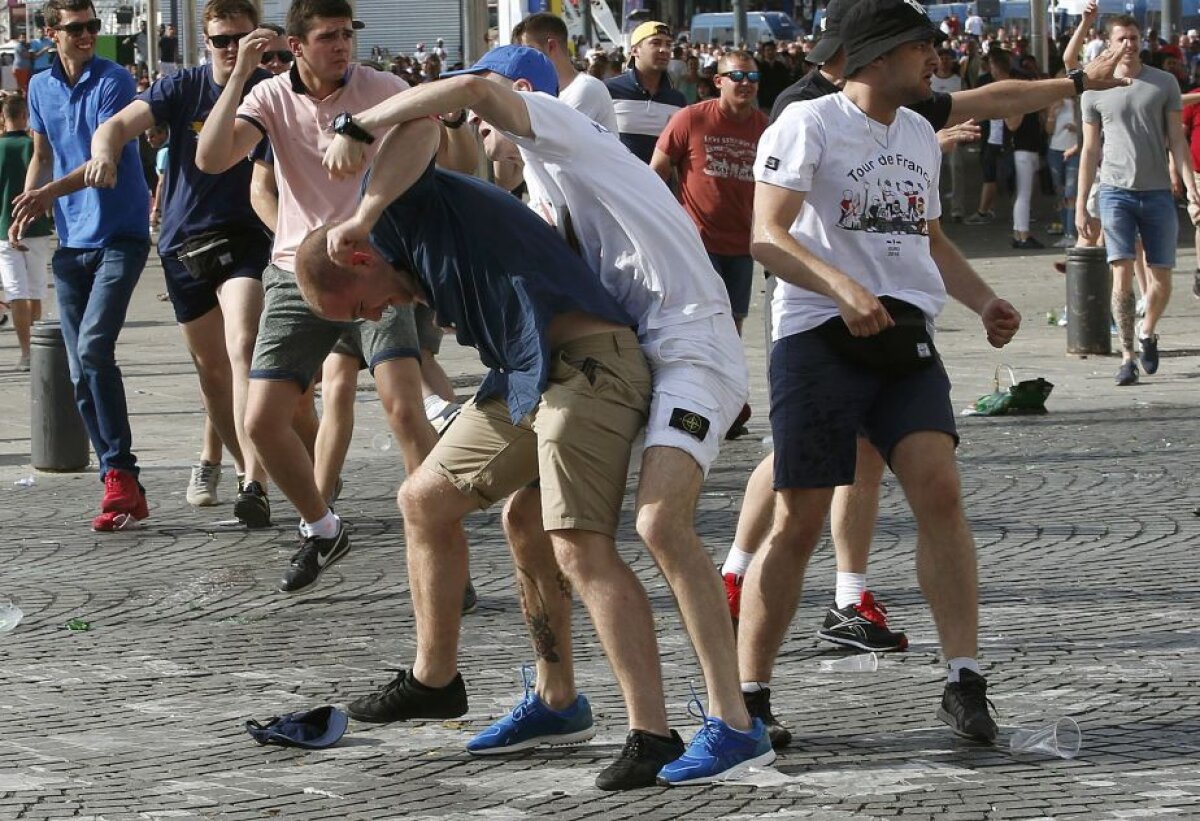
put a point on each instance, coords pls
(1066, 242)
(440, 413)
(1140, 310)
(202, 489)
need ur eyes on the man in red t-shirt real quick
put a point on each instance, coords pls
(1191, 127)
(711, 146)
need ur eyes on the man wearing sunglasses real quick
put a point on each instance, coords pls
(643, 98)
(103, 239)
(217, 308)
(711, 146)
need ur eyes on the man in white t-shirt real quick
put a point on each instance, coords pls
(629, 228)
(847, 216)
(973, 25)
(548, 34)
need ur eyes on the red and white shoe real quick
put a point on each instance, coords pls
(124, 502)
(733, 594)
(863, 625)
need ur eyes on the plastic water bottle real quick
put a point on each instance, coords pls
(10, 615)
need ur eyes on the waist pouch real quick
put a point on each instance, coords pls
(214, 255)
(904, 348)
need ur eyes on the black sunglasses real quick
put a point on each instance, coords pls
(284, 56)
(737, 75)
(76, 29)
(226, 40)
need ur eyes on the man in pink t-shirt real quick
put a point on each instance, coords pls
(711, 146)
(298, 111)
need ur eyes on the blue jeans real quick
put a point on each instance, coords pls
(94, 286)
(1066, 181)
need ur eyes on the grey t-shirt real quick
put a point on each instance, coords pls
(1134, 124)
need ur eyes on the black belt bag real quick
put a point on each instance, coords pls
(904, 348)
(214, 255)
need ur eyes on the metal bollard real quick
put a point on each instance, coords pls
(1089, 298)
(59, 441)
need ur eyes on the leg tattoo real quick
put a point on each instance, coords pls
(1123, 307)
(545, 643)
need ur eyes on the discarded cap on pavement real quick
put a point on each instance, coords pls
(310, 729)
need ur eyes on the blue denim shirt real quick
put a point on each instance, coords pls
(495, 272)
(68, 116)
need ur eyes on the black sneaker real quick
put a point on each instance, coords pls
(1196, 284)
(404, 697)
(312, 558)
(252, 508)
(758, 705)
(863, 625)
(1127, 374)
(640, 760)
(1149, 354)
(965, 707)
(470, 599)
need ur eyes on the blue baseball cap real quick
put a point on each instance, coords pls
(517, 63)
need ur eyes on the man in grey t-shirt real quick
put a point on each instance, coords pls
(1139, 124)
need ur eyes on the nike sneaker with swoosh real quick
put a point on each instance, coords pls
(313, 557)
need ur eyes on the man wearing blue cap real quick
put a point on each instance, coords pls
(847, 215)
(650, 257)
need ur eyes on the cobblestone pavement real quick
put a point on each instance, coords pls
(1089, 578)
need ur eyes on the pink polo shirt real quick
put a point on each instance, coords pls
(301, 128)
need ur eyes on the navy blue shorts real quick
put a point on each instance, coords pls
(821, 404)
(193, 298)
(737, 272)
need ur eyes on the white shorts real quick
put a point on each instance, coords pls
(700, 385)
(24, 272)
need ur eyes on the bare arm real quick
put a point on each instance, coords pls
(101, 170)
(661, 164)
(771, 243)
(1089, 161)
(1000, 319)
(1182, 155)
(459, 150)
(1075, 46)
(225, 140)
(264, 194)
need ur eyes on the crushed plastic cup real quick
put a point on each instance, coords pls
(382, 441)
(26, 481)
(10, 615)
(858, 663)
(1061, 739)
(78, 625)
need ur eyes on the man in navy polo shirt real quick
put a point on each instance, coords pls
(643, 98)
(218, 311)
(103, 235)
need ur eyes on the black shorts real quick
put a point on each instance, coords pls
(821, 404)
(991, 156)
(192, 298)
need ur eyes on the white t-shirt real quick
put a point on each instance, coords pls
(869, 192)
(1064, 137)
(974, 25)
(946, 85)
(1092, 50)
(630, 228)
(589, 96)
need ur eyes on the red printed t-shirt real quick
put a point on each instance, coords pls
(1191, 129)
(714, 156)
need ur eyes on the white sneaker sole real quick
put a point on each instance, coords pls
(567, 740)
(733, 773)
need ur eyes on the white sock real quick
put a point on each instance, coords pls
(737, 562)
(956, 665)
(755, 686)
(850, 587)
(325, 528)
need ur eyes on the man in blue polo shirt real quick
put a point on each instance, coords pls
(41, 50)
(212, 245)
(643, 98)
(103, 238)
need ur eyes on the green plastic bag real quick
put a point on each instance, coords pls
(1028, 396)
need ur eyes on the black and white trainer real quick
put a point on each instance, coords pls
(313, 558)
(863, 625)
(965, 707)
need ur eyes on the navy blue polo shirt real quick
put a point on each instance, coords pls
(642, 116)
(193, 201)
(67, 116)
(495, 272)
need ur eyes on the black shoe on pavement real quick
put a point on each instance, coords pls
(1149, 354)
(1196, 284)
(1127, 374)
(404, 697)
(470, 599)
(863, 625)
(758, 705)
(965, 707)
(313, 557)
(642, 757)
(251, 507)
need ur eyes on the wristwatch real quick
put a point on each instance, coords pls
(344, 124)
(1077, 76)
(457, 122)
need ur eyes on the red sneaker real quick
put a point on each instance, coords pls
(121, 492)
(733, 593)
(110, 521)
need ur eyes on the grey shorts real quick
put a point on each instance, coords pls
(293, 341)
(429, 336)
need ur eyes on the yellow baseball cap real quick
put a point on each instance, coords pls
(648, 29)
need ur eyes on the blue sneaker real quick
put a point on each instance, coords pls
(532, 723)
(718, 752)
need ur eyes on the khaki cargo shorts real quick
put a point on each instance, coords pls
(576, 441)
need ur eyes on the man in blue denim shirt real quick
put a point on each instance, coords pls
(103, 239)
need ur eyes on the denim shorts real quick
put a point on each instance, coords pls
(1126, 214)
(737, 272)
(821, 404)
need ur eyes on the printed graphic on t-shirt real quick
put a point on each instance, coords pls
(729, 158)
(882, 202)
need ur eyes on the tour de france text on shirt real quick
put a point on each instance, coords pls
(897, 160)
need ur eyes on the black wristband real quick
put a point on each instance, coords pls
(1077, 76)
(457, 122)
